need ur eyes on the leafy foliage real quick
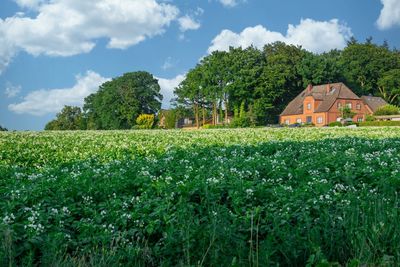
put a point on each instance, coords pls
(241, 197)
(145, 121)
(268, 79)
(118, 103)
(3, 129)
(70, 118)
(387, 110)
(380, 123)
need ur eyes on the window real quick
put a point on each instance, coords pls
(358, 106)
(309, 119)
(359, 119)
(298, 120)
(339, 105)
(348, 105)
(320, 120)
(309, 106)
(287, 122)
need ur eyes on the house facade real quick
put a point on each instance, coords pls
(321, 105)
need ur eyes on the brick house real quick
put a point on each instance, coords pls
(321, 105)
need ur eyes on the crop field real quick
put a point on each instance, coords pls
(234, 197)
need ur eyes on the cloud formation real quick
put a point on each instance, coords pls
(43, 101)
(12, 90)
(188, 23)
(47, 101)
(315, 36)
(228, 3)
(390, 14)
(71, 27)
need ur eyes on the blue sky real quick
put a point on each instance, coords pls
(56, 52)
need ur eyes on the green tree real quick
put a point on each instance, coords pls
(70, 118)
(387, 110)
(118, 103)
(389, 86)
(280, 79)
(190, 92)
(2, 129)
(364, 64)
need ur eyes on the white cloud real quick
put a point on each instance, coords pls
(168, 64)
(390, 14)
(187, 23)
(42, 102)
(71, 27)
(228, 3)
(31, 4)
(12, 90)
(167, 88)
(315, 36)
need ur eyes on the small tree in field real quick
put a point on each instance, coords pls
(145, 121)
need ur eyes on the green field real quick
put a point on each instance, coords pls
(237, 197)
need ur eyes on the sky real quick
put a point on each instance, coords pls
(57, 52)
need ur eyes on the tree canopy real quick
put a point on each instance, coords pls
(118, 103)
(70, 118)
(265, 81)
(3, 129)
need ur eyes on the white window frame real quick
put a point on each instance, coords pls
(308, 106)
(360, 119)
(298, 120)
(287, 121)
(320, 120)
(358, 106)
(349, 105)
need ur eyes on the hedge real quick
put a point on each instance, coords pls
(379, 123)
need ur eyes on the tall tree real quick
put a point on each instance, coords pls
(389, 86)
(190, 92)
(281, 81)
(364, 64)
(118, 103)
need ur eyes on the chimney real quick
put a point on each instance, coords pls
(309, 88)
(328, 88)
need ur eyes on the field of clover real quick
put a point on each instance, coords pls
(228, 197)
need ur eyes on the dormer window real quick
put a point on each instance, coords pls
(308, 106)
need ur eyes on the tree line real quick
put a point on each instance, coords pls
(261, 82)
(241, 86)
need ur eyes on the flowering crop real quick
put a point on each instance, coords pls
(213, 197)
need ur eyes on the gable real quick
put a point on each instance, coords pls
(321, 93)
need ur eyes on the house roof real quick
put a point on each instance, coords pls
(373, 102)
(320, 93)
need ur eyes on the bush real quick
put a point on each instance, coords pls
(387, 110)
(240, 122)
(170, 118)
(145, 121)
(335, 124)
(370, 118)
(379, 123)
(210, 126)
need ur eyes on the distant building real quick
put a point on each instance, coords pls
(321, 105)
